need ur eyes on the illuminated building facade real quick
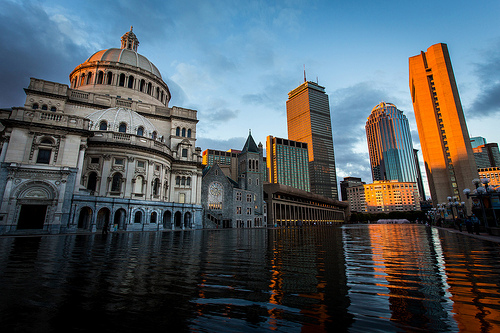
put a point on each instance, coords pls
(227, 161)
(493, 174)
(420, 182)
(384, 196)
(288, 162)
(487, 155)
(443, 133)
(390, 145)
(105, 152)
(308, 119)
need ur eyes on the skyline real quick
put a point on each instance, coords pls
(236, 64)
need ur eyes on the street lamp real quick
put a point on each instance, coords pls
(483, 191)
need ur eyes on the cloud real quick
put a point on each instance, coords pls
(487, 101)
(217, 144)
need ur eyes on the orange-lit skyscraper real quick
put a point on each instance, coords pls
(444, 138)
(308, 118)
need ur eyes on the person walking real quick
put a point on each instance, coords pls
(475, 223)
(468, 224)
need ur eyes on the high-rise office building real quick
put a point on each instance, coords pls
(487, 155)
(477, 141)
(420, 182)
(288, 162)
(308, 118)
(390, 145)
(349, 182)
(443, 133)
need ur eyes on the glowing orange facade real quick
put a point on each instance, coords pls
(444, 138)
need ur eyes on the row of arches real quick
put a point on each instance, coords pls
(122, 128)
(120, 80)
(105, 219)
(139, 184)
(183, 132)
(45, 107)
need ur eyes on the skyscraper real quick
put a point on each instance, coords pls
(443, 133)
(487, 155)
(288, 163)
(308, 118)
(390, 145)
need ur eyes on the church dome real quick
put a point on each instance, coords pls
(122, 120)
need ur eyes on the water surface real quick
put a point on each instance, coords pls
(357, 278)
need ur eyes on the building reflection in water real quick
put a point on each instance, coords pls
(412, 276)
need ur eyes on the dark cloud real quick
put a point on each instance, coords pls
(32, 46)
(221, 115)
(487, 101)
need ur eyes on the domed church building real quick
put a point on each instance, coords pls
(105, 152)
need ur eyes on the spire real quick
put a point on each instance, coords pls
(130, 41)
(305, 73)
(250, 145)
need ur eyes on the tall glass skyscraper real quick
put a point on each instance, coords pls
(390, 145)
(308, 119)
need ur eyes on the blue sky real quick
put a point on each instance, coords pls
(235, 62)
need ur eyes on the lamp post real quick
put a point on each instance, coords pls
(483, 191)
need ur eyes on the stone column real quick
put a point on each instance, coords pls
(81, 159)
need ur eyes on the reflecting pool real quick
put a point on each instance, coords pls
(355, 278)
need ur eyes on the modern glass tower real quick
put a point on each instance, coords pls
(444, 138)
(288, 163)
(390, 145)
(308, 118)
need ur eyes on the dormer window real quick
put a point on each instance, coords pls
(140, 131)
(103, 126)
(122, 128)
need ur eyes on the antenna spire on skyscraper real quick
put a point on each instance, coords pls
(305, 73)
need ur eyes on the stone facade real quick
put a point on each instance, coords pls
(107, 152)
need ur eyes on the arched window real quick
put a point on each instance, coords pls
(177, 180)
(153, 217)
(44, 107)
(35, 106)
(47, 141)
(177, 130)
(143, 83)
(156, 187)
(149, 88)
(122, 128)
(53, 108)
(131, 82)
(183, 181)
(116, 183)
(103, 126)
(121, 82)
(89, 78)
(189, 132)
(138, 217)
(154, 135)
(100, 77)
(157, 92)
(188, 181)
(109, 78)
(92, 181)
(82, 79)
(162, 95)
(249, 165)
(256, 165)
(140, 131)
(74, 82)
(183, 132)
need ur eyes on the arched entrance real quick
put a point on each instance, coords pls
(34, 200)
(32, 216)
(178, 220)
(187, 220)
(84, 218)
(167, 219)
(119, 220)
(103, 218)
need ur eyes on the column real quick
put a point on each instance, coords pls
(81, 159)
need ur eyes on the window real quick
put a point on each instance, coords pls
(138, 217)
(94, 160)
(178, 180)
(100, 77)
(238, 196)
(184, 152)
(92, 181)
(131, 82)
(183, 181)
(35, 106)
(153, 217)
(44, 107)
(122, 128)
(140, 164)
(116, 183)
(121, 82)
(149, 88)
(140, 131)
(249, 198)
(103, 126)
(43, 156)
(177, 130)
(141, 88)
(119, 161)
(154, 135)
(249, 211)
(238, 210)
(182, 197)
(109, 76)
(188, 181)
(53, 108)
(183, 132)
(189, 133)
(156, 186)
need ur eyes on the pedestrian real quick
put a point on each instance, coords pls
(475, 223)
(468, 225)
(458, 223)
